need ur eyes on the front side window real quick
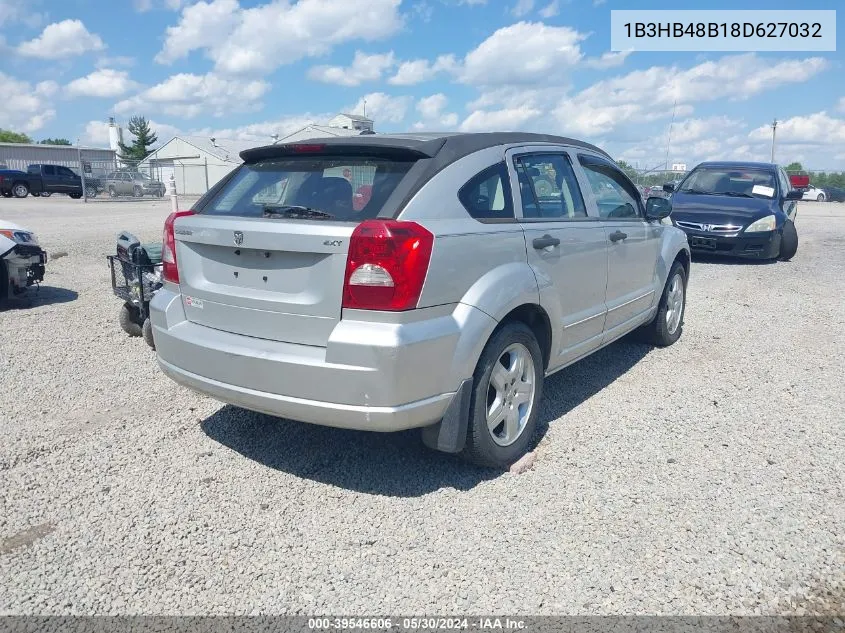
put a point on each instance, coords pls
(615, 196)
(737, 182)
(548, 187)
(352, 188)
(48, 170)
(64, 171)
(487, 195)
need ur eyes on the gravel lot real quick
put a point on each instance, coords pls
(706, 478)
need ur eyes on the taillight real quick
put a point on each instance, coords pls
(169, 268)
(386, 266)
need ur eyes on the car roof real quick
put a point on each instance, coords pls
(442, 147)
(737, 163)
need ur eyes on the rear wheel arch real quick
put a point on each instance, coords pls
(537, 320)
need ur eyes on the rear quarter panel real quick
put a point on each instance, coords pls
(480, 264)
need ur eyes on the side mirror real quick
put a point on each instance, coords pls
(657, 208)
(794, 194)
(669, 187)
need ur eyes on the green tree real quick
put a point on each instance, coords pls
(7, 136)
(628, 170)
(145, 138)
(794, 167)
(54, 141)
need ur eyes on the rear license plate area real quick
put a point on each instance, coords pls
(703, 242)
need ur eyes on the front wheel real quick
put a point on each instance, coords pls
(138, 192)
(788, 242)
(668, 323)
(507, 388)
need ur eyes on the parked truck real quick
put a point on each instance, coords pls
(40, 179)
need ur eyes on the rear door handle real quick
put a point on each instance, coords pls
(545, 241)
(617, 235)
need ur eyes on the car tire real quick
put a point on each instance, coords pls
(138, 192)
(35, 194)
(75, 196)
(668, 324)
(7, 193)
(788, 241)
(112, 192)
(147, 332)
(129, 320)
(820, 198)
(46, 194)
(501, 445)
(20, 190)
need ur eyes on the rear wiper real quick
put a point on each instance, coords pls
(294, 211)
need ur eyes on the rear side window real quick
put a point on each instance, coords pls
(548, 187)
(487, 195)
(348, 189)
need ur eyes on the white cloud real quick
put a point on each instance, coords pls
(505, 120)
(646, 95)
(263, 131)
(550, 10)
(142, 6)
(522, 7)
(818, 129)
(25, 107)
(117, 60)
(432, 110)
(523, 53)
(62, 39)
(14, 11)
(841, 105)
(95, 133)
(105, 82)
(420, 70)
(363, 68)
(187, 95)
(262, 38)
(204, 24)
(608, 60)
(689, 130)
(383, 107)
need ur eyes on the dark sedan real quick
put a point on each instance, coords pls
(738, 209)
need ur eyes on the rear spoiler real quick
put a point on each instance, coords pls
(370, 146)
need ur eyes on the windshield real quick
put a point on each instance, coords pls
(321, 187)
(722, 181)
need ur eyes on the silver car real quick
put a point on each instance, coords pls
(127, 183)
(442, 302)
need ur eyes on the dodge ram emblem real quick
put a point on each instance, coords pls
(239, 238)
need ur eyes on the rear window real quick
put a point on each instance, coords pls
(349, 189)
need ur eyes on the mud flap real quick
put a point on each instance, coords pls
(450, 434)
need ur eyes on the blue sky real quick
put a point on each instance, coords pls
(251, 68)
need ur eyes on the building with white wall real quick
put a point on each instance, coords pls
(196, 162)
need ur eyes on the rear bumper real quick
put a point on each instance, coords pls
(375, 376)
(764, 245)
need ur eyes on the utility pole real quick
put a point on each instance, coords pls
(774, 130)
(365, 108)
(669, 140)
(81, 170)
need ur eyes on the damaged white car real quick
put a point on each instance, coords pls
(21, 260)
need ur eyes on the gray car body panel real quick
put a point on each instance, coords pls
(387, 371)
